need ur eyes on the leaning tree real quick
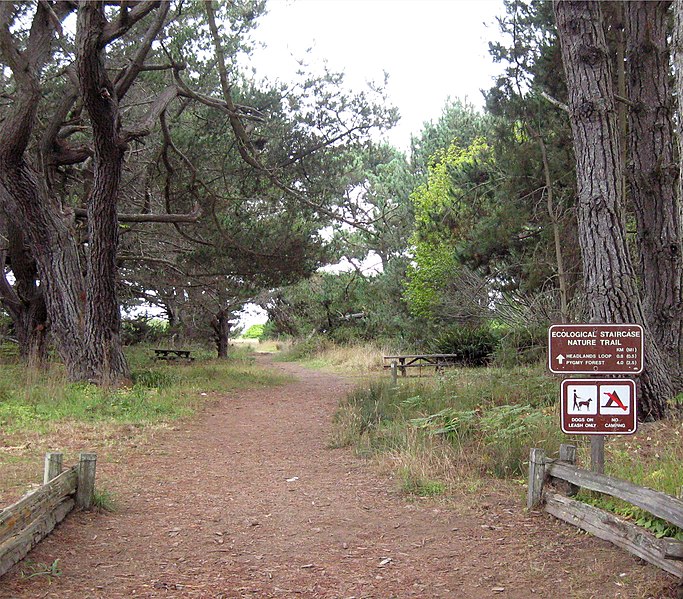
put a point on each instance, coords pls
(93, 112)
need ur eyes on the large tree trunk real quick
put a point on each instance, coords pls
(102, 315)
(653, 173)
(221, 327)
(24, 301)
(30, 205)
(609, 277)
(84, 313)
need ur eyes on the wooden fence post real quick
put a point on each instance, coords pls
(536, 477)
(568, 455)
(86, 480)
(394, 374)
(598, 454)
(53, 466)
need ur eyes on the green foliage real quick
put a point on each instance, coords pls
(460, 123)
(304, 348)
(422, 487)
(33, 569)
(504, 433)
(255, 331)
(473, 346)
(450, 206)
(519, 346)
(143, 329)
(457, 191)
(658, 527)
(428, 277)
(526, 125)
(344, 307)
(155, 378)
(492, 416)
(104, 500)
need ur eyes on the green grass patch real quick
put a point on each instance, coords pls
(472, 422)
(104, 500)
(422, 487)
(31, 400)
(658, 527)
(31, 570)
(442, 433)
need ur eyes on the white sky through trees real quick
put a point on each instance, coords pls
(431, 49)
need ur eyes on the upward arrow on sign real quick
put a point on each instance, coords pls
(560, 359)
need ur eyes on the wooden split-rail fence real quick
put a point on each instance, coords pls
(25, 523)
(553, 482)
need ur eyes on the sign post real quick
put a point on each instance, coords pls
(595, 406)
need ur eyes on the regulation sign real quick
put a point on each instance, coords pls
(595, 348)
(598, 406)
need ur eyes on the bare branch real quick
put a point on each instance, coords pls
(127, 19)
(127, 77)
(554, 102)
(191, 217)
(321, 145)
(145, 126)
(130, 258)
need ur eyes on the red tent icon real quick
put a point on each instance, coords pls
(614, 401)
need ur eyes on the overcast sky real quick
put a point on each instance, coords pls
(431, 49)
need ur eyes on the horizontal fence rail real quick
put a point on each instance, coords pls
(666, 554)
(28, 521)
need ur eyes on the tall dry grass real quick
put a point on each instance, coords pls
(317, 352)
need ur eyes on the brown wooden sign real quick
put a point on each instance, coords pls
(599, 407)
(595, 348)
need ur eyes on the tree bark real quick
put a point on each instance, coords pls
(27, 200)
(609, 277)
(25, 301)
(653, 173)
(102, 315)
(221, 327)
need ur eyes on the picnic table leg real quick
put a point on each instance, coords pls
(403, 367)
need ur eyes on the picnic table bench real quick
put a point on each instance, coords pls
(173, 354)
(438, 361)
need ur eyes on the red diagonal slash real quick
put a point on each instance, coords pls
(614, 399)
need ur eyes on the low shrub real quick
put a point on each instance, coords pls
(255, 331)
(521, 346)
(143, 329)
(472, 346)
(305, 348)
(473, 422)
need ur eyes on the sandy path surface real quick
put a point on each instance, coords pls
(246, 500)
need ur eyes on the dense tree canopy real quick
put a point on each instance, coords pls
(138, 115)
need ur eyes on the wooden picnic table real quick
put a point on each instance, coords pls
(438, 361)
(173, 354)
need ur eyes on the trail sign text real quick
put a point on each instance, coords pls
(595, 348)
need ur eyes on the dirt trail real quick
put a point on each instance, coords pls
(247, 501)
